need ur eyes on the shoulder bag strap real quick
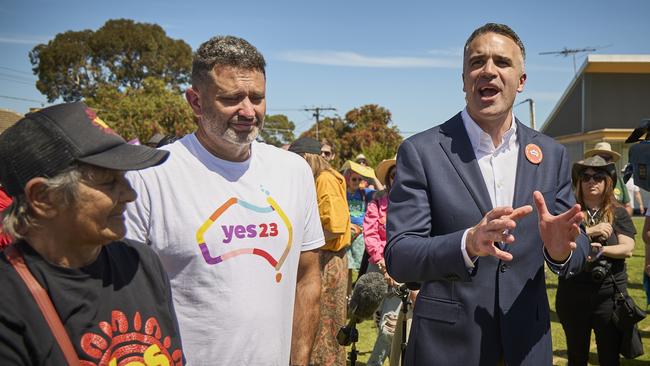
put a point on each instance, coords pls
(16, 259)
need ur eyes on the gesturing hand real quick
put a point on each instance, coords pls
(494, 227)
(559, 232)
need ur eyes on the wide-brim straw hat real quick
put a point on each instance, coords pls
(381, 171)
(604, 148)
(596, 163)
(362, 170)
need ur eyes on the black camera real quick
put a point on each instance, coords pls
(639, 155)
(599, 269)
(600, 266)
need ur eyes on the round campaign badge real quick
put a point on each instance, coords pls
(534, 154)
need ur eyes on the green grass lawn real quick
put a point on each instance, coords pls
(368, 331)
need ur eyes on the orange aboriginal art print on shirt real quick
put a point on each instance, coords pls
(129, 342)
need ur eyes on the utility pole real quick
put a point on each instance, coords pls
(532, 110)
(316, 114)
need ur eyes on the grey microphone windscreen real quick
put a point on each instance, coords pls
(367, 295)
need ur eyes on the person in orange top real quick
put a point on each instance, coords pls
(335, 218)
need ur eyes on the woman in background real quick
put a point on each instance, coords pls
(586, 301)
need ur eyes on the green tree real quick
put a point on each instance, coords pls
(278, 130)
(142, 112)
(372, 134)
(367, 129)
(120, 54)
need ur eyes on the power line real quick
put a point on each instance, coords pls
(285, 109)
(22, 99)
(15, 70)
(22, 78)
(316, 114)
(17, 81)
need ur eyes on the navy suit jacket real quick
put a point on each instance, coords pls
(498, 310)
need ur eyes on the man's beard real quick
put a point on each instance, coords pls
(233, 136)
(242, 138)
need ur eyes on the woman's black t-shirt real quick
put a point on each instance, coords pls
(622, 225)
(117, 309)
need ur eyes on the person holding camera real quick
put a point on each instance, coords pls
(586, 301)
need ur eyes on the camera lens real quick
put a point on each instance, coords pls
(599, 270)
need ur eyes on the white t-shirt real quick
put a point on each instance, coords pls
(230, 236)
(631, 191)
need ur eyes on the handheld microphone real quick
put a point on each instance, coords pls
(367, 295)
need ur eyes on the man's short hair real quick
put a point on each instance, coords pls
(226, 51)
(497, 28)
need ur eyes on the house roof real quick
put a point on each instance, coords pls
(8, 118)
(594, 64)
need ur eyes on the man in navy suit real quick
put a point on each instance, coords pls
(461, 221)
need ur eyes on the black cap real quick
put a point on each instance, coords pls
(305, 145)
(46, 142)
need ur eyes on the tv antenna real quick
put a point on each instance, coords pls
(572, 51)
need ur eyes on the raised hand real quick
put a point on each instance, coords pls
(558, 232)
(494, 227)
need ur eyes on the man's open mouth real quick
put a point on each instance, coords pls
(488, 91)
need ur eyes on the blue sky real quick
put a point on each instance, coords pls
(405, 56)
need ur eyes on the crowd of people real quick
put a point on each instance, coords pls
(217, 249)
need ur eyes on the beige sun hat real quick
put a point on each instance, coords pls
(604, 148)
(383, 168)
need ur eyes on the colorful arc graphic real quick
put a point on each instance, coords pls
(273, 206)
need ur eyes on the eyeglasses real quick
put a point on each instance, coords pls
(597, 177)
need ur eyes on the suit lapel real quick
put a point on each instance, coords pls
(456, 145)
(526, 171)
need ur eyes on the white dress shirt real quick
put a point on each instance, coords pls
(498, 166)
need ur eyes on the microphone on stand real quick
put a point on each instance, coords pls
(367, 295)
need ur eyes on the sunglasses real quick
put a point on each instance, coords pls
(355, 179)
(597, 177)
(326, 153)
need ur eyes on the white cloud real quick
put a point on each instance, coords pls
(353, 59)
(23, 40)
(457, 52)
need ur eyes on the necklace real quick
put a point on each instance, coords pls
(592, 216)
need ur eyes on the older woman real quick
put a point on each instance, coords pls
(109, 300)
(586, 301)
